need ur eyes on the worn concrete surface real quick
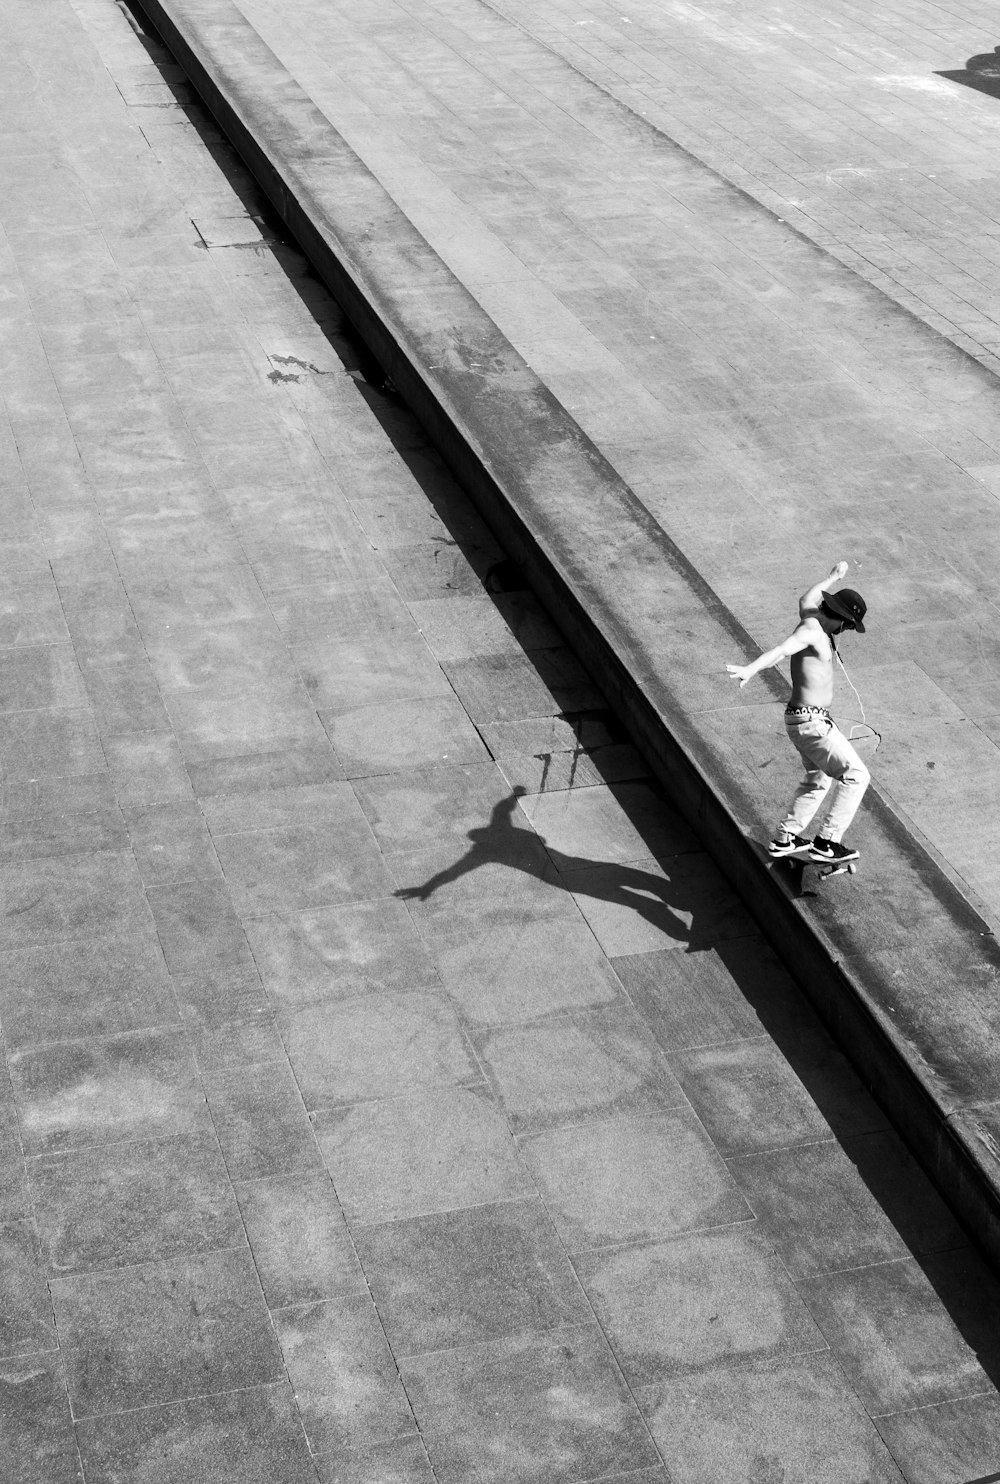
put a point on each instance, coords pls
(366, 1120)
(638, 612)
(766, 405)
(854, 127)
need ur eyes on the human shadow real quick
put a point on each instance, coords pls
(981, 72)
(673, 903)
(690, 915)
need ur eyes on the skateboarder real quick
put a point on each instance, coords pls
(834, 772)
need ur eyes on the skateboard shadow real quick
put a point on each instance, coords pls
(792, 872)
(665, 902)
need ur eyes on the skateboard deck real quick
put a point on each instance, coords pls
(799, 859)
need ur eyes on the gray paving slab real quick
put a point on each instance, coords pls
(798, 1416)
(261, 1122)
(245, 1041)
(628, 1179)
(697, 1001)
(347, 1386)
(130, 1335)
(198, 926)
(254, 1432)
(515, 964)
(147, 768)
(377, 1045)
(299, 1239)
(43, 745)
(27, 1324)
(171, 843)
(498, 688)
(430, 1151)
(71, 897)
(783, 1189)
(221, 1097)
(425, 569)
(369, 672)
(479, 1409)
(38, 1426)
(222, 999)
(37, 837)
(576, 1067)
(107, 1090)
(458, 1278)
(384, 738)
(908, 1362)
(401, 1461)
(631, 819)
(13, 1176)
(948, 1443)
(340, 952)
(132, 1202)
(750, 1097)
(614, 763)
(256, 740)
(125, 697)
(651, 907)
(98, 986)
(680, 1306)
(299, 866)
(415, 810)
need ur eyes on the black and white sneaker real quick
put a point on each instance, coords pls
(831, 850)
(787, 844)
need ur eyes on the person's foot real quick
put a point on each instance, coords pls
(786, 844)
(831, 850)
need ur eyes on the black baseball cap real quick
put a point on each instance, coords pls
(848, 605)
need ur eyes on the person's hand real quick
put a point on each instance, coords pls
(839, 572)
(742, 673)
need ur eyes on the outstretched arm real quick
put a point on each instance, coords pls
(468, 862)
(813, 597)
(794, 644)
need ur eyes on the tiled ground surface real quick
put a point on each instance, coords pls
(393, 1091)
(774, 410)
(841, 122)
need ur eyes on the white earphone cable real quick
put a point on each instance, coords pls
(861, 707)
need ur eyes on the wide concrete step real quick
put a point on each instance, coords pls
(897, 959)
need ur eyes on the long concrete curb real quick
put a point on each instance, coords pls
(901, 966)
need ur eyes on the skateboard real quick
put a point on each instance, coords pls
(799, 859)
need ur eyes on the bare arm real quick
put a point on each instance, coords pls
(801, 638)
(813, 597)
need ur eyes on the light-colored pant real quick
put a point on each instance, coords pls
(831, 765)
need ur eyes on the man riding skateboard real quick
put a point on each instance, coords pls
(834, 771)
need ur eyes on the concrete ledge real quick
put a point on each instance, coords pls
(900, 965)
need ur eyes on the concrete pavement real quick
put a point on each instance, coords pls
(635, 607)
(765, 405)
(371, 1119)
(857, 129)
